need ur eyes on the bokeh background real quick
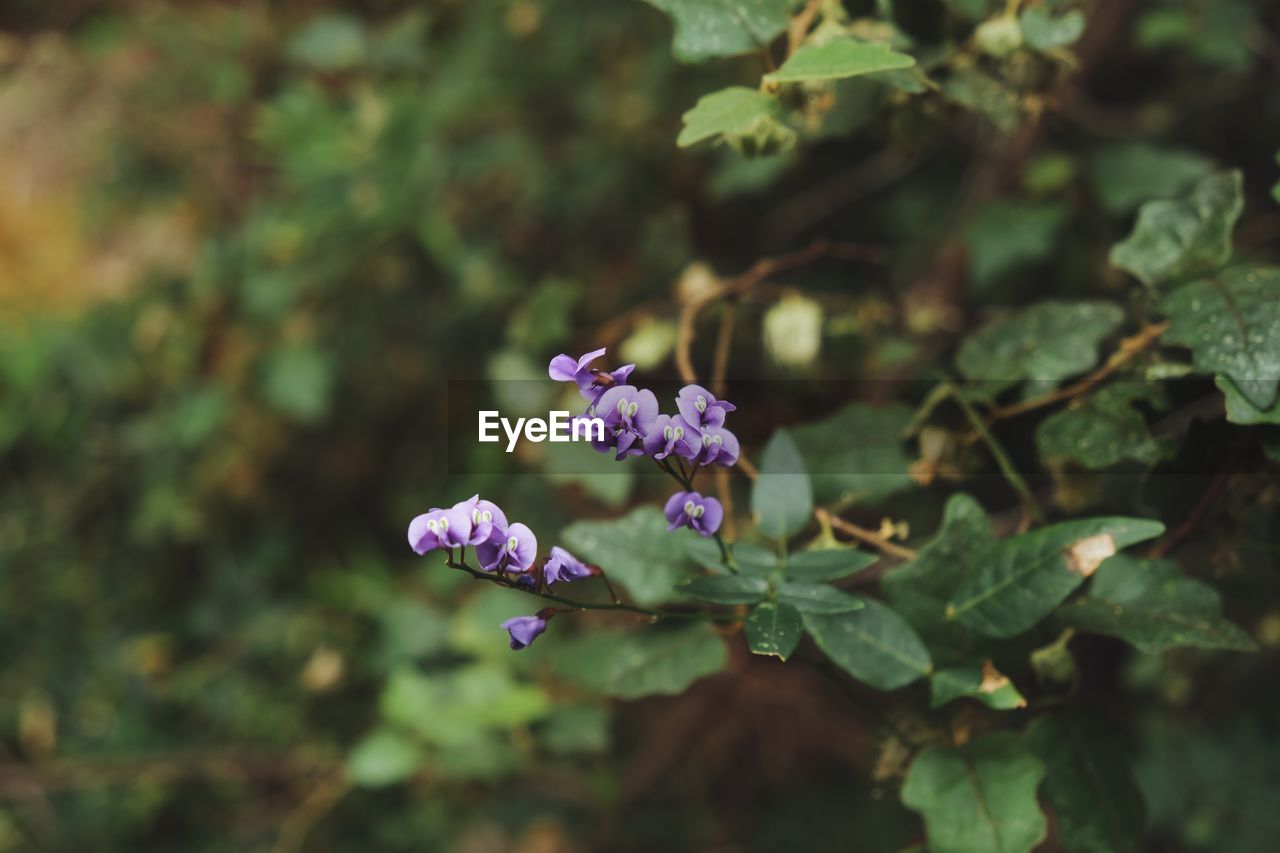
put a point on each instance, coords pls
(245, 246)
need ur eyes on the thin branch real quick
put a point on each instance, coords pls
(1129, 348)
(862, 534)
(1011, 474)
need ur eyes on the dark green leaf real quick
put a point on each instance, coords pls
(1240, 410)
(978, 798)
(1231, 322)
(773, 629)
(817, 598)
(1174, 238)
(1047, 342)
(921, 589)
(875, 645)
(1127, 174)
(857, 453)
(707, 29)
(782, 497)
(1021, 579)
(648, 662)
(1103, 428)
(725, 589)
(1004, 236)
(1090, 787)
(838, 59)
(827, 565)
(982, 682)
(1151, 604)
(636, 551)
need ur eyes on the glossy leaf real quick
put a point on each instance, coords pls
(1240, 410)
(979, 797)
(1020, 580)
(1047, 342)
(1154, 606)
(708, 29)
(874, 644)
(1176, 237)
(1127, 174)
(773, 628)
(1103, 428)
(725, 589)
(817, 598)
(827, 565)
(1231, 322)
(1045, 32)
(921, 589)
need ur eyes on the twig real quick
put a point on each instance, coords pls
(870, 537)
(1128, 349)
(1029, 504)
(724, 341)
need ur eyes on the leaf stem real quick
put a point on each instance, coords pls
(1002, 458)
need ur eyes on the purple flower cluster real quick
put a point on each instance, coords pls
(502, 548)
(634, 426)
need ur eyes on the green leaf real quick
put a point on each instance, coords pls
(1021, 579)
(1104, 428)
(1154, 606)
(827, 565)
(836, 60)
(921, 589)
(707, 29)
(817, 598)
(1005, 236)
(773, 629)
(1096, 802)
(649, 662)
(299, 382)
(858, 452)
(728, 112)
(636, 551)
(447, 709)
(875, 645)
(982, 682)
(1045, 33)
(977, 90)
(1240, 410)
(725, 589)
(1174, 238)
(782, 497)
(978, 798)
(1047, 342)
(383, 757)
(1231, 322)
(330, 43)
(1127, 174)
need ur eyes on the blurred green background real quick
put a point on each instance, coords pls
(244, 246)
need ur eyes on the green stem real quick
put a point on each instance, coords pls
(1002, 459)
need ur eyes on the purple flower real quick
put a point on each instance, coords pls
(563, 566)
(692, 510)
(485, 517)
(508, 550)
(700, 407)
(592, 384)
(629, 414)
(440, 528)
(672, 435)
(718, 445)
(524, 630)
